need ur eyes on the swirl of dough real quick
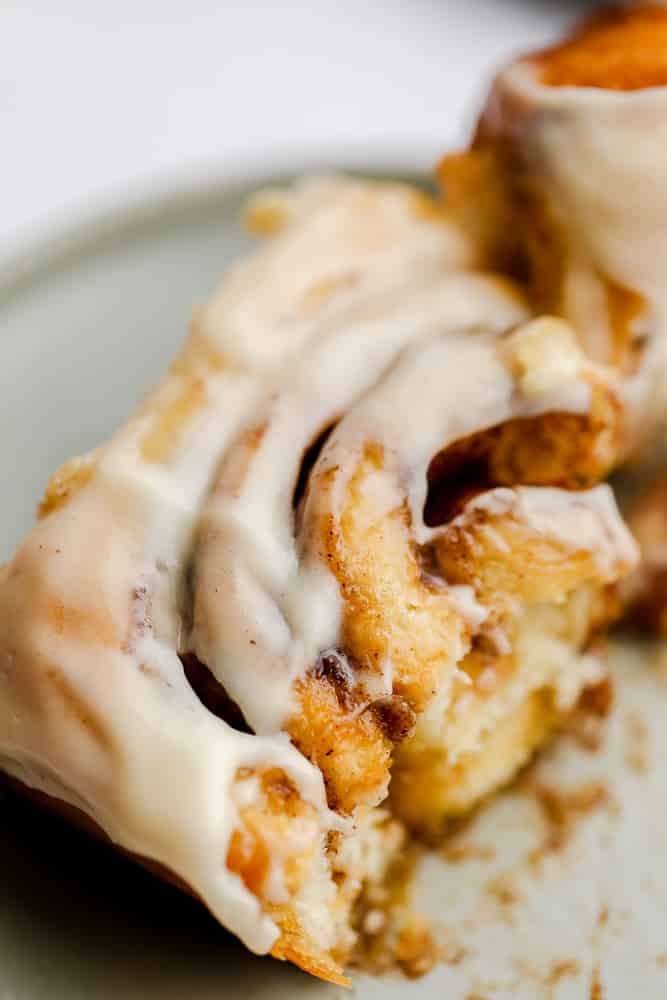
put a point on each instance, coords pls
(98, 714)
(355, 527)
(321, 606)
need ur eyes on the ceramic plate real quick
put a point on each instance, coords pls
(558, 889)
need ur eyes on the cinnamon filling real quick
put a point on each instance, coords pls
(212, 694)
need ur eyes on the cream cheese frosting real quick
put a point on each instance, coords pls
(598, 158)
(181, 533)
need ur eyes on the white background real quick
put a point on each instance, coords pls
(100, 101)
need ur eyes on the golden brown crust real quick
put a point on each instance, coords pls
(394, 610)
(392, 614)
(567, 450)
(507, 562)
(351, 750)
(264, 828)
(385, 600)
(616, 48)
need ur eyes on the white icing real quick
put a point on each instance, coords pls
(583, 521)
(599, 157)
(427, 371)
(545, 356)
(262, 615)
(93, 699)
(463, 598)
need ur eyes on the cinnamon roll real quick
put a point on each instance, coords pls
(565, 186)
(339, 576)
(335, 579)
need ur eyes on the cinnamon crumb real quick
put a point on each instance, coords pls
(561, 970)
(636, 747)
(504, 890)
(391, 936)
(587, 731)
(586, 722)
(457, 854)
(563, 810)
(334, 666)
(596, 985)
(598, 699)
(395, 716)
(416, 950)
(453, 953)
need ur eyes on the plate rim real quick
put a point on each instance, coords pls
(130, 214)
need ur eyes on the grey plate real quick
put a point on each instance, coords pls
(86, 325)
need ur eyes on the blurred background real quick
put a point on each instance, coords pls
(102, 102)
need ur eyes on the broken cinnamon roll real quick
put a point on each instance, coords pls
(565, 187)
(333, 581)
